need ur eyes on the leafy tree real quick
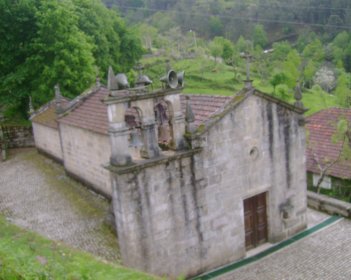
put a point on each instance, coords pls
(315, 51)
(242, 44)
(216, 49)
(259, 36)
(227, 46)
(291, 68)
(281, 50)
(56, 52)
(343, 91)
(278, 79)
(216, 26)
(65, 42)
(308, 73)
(341, 40)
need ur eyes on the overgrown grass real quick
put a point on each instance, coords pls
(203, 76)
(26, 255)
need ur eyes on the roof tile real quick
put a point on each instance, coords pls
(321, 148)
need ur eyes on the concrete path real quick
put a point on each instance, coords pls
(324, 255)
(36, 194)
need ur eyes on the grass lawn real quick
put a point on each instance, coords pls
(26, 255)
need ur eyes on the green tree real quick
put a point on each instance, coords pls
(57, 52)
(259, 36)
(278, 79)
(343, 91)
(227, 46)
(242, 44)
(281, 50)
(216, 49)
(308, 73)
(314, 51)
(49, 42)
(291, 68)
(216, 26)
(112, 43)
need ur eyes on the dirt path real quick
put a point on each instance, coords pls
(36, 194)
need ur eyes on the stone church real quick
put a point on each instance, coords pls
(196, 181)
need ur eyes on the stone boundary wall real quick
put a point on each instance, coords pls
(18, 136)
(328, 204)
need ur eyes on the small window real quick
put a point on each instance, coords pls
(326, 183)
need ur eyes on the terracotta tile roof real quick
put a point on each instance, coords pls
(321, 128)
(204, 106)
(90, 113)
(46, 115)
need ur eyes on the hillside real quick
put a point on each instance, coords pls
(235, 18)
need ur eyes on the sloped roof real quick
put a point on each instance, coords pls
(321, 127)
(204, 106)
(46, 115)
(89, 113)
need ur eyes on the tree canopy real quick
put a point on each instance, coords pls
(68, 42)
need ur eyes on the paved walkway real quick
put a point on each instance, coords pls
(324, 255)
(36, 194)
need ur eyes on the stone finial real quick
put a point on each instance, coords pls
(58, 99)
(31, 108)
(189, 116)
(111, 80)
(142, 80)
(97, 82)
(298, 96)
(298, 103)
(58, 94)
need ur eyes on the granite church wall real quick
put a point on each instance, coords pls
(166, 224)
(84, 154)
(258, 147)
(47, 140)
(183, 214)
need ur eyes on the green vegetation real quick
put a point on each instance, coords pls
(26, 255)
(66, 42)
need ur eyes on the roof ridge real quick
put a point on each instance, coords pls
(46, 106)
(80, 99)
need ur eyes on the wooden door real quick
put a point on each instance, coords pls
(255, 215)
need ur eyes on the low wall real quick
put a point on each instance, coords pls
(328, 204)
(18, 136)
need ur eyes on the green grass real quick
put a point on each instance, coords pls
(26, 255)
(316, 101)
(203, 76)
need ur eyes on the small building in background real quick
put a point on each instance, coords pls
(325, 152)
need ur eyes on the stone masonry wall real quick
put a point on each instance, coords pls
(258, 147)
(159, 219)
(18, 136)
(185, 216)
(85, 153)
(47, 139)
